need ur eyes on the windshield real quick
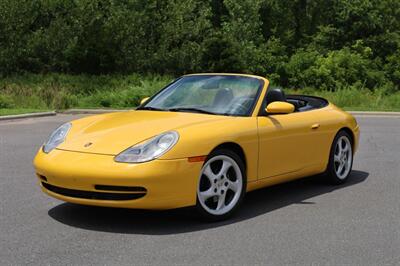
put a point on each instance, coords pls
(211, 94)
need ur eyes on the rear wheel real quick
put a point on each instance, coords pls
(340, 159)
(222, 185)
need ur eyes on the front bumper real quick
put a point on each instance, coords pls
(167, 184)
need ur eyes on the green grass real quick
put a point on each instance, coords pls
(352, 99)
(59, 91)
(373, 109)
(34, 92)
(18, 111)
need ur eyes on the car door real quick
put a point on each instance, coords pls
(288, 143)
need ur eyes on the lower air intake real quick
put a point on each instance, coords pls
(82, 194)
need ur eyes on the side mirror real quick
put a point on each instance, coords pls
(280, 108)
(144, 100)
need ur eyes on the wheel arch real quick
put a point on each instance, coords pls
(236, 148)
(351, 134)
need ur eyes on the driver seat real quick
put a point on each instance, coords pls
(223, 97)
(275, 95)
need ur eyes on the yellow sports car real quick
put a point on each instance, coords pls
(204, 140)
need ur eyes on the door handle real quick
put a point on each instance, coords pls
(315, 126)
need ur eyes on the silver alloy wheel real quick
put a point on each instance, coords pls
(220, 185)
(343, 157)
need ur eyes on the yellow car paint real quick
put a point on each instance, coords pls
(280, 108)
(113, 133)
(277, 148)
(168, 182)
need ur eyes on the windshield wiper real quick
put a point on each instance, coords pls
(179, 109)
(150, 108)
(190, 109)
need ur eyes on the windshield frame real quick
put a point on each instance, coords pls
(249, 113)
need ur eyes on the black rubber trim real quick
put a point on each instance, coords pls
(43, 178)
(314, 101)
(92, 194)
(120, 188)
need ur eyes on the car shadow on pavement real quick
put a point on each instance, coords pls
(259, 202)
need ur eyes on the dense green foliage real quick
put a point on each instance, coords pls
(323, 44)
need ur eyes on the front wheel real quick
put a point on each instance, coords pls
(340, 159)
(222, 185)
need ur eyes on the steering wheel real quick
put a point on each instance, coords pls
(239, 107)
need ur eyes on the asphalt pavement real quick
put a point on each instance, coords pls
(302, 222)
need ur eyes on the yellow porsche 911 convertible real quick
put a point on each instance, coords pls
(204, 141)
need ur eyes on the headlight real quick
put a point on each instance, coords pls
(56, 138)
(150, 149)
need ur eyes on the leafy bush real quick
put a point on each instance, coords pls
(6, 101)
(393, 70)
(275, 60)
(335, 70)
(346, 68)
(299, 69)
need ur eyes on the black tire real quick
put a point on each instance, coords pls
(204, 213)
(331, 172)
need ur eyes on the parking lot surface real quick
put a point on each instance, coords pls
(302, 222)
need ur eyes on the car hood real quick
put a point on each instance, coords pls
(111, 134)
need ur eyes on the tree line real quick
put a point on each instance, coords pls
(324, 44)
